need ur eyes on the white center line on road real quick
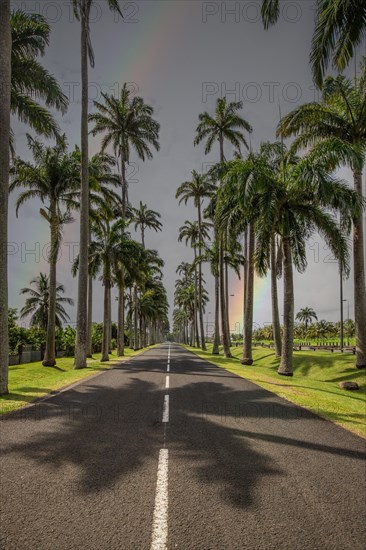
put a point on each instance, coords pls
(160, 521)
(167, 381)
(166, 409)
(168, 367)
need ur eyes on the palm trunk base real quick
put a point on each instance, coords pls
(285, 373)
(360, 366)
(49, 363)
(246, 361)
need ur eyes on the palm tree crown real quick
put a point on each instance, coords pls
(37, 303)
(30, 81)
(226, 124)
(145, 218)
(306, 315)
(127, 123)
(340, 27)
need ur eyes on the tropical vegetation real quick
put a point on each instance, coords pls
(254, 210)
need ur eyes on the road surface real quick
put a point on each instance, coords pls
(169, 451)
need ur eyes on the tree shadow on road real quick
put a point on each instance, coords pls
(107, 428)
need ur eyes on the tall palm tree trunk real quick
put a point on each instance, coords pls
(130, 321)
(49, 359)
(359, 282)
(225, 339)
(196, 340)
(223, 301)
(245, 275)
(82, 321)
(200, 294)
(286, 365)
(226, 272)
(216, 336)
(121, 321)
(247, 358)
(106, 317)
(143, 332)
(135, 319)
(202, 330)
(5, 72)
(110, 318)
(274, 295)
(90, 315)
(121, 286)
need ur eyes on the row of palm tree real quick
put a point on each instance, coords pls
(111, 251)
(340, 25)
(277, 200)
(127, 122)
(185, 315)
(54, 179)
(225, 125)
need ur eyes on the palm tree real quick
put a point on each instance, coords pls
(307, 200)
(5, 71)
(105, 251)
(236, 215)
(306, 315)
(37, 305)
(198, 188)
(127, 123)
(153, 306)
(212, 256)
(145, 266)
(276, 270)
(102, 199)
(145, 218)
(225, 125)
(30, 81)
(184, 298)
(54, 179)
(339, 28)
(337, 125)
(82, 10)
(194, 232)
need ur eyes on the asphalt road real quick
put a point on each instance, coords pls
(169, 451)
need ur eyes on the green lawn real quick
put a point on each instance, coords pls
(32, 380)
(313, 386)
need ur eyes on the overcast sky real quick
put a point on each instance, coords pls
(180, 56)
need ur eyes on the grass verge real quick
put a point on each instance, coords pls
(31, 381)
(313, 386)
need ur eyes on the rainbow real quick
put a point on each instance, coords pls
(157, 25)
(262, 303)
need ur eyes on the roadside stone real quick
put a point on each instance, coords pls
(349, 385)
